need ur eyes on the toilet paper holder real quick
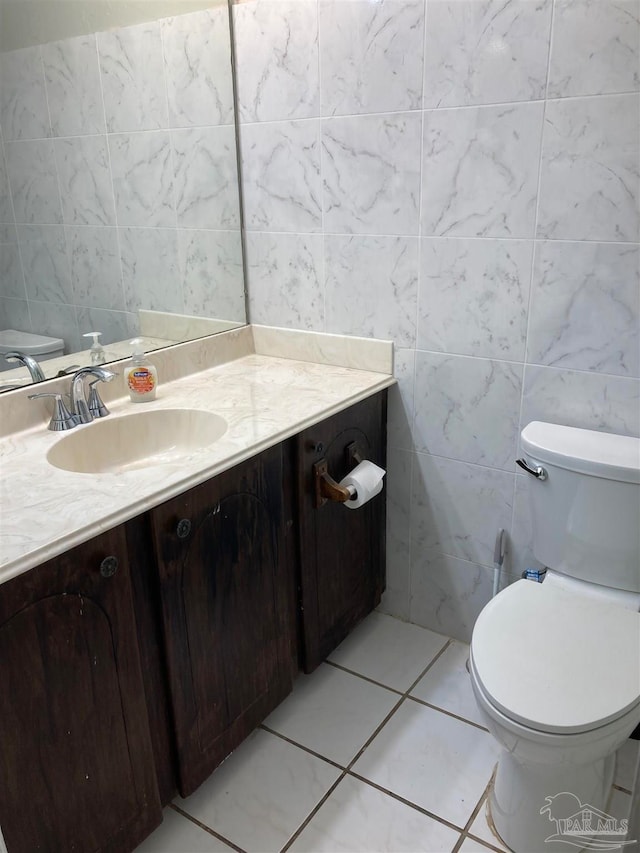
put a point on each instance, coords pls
(326, 488)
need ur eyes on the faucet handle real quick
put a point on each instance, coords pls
(62, 418)
(95, 403)
(65, 371)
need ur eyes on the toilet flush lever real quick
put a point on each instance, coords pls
(539, 473)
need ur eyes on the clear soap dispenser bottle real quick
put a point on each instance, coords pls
(141, 377)
(96, 353)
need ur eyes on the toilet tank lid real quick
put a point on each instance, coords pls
(28, 343)
(586, 451)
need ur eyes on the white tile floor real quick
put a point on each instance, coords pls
(380, 750)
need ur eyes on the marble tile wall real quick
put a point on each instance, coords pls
(461, 176)
(116, 153)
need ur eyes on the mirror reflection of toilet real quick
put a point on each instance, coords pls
(40, 347)
(555, 666)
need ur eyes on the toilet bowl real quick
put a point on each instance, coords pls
(555, 666)
(560, 698)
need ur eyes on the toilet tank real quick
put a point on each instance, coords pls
(40, 347)
(586, 512)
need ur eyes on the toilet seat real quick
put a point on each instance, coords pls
(557, 662)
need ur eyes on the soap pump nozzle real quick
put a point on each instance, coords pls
(137, 351)
(96, 352)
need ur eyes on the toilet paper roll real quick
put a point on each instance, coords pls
(366, 479)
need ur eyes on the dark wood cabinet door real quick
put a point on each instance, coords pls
(146, 597)
(226, 603)
(342, 551)
(77, 769)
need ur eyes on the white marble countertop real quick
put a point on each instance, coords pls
(265, 399)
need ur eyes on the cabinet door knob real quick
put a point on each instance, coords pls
(108, 567)
(183, 528)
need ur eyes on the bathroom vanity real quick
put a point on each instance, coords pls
(135, 661)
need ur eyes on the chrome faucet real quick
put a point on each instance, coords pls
(62, 418)
(80, 407)
(30, 363)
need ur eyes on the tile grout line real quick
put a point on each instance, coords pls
(206, 828)
(364, 677)
(350, 235)
(344, 773)
(301, 746)
(482, 841)
(524, 370)
(402, 696)
(474, 814)
(413, 464)
(347, 770)
(115, 226)
(449, 713)
(321, 168)
(410, 517)
(406, 692)
(326, 117)
(466, 832)
(314, 811)
(405, 802)
(413, 698)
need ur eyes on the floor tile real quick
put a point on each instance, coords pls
(419, 748)
(389, 651)
(481, 829)
(626, 762)
(620, 805)
(261, 794)
(448, 684)
(357, 818)
(178, 833)
(332, 712)
(470, 845)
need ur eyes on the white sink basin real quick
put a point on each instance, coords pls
(138, 440)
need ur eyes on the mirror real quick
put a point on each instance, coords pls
(119, 197)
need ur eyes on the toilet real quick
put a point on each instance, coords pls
(555, 666)
(40, 347)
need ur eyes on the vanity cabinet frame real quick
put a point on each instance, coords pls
(244, 574)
